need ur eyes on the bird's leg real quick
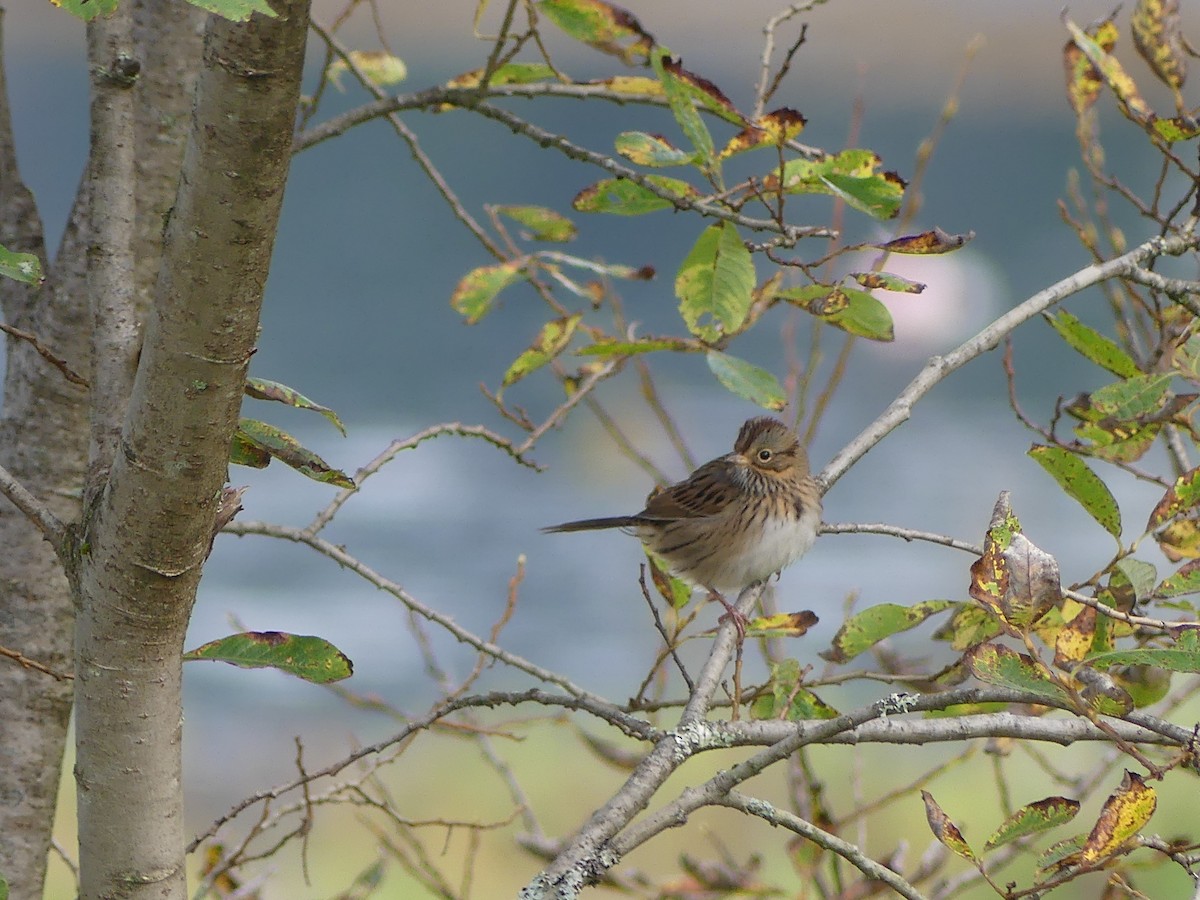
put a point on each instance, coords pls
(732, 613)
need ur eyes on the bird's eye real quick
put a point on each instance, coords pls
(765, 455)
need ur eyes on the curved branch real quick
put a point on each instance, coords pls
(772, 815)
(347, 561)
(938, 367)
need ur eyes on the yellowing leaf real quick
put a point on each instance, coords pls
(886, 281)
(550, 341)
(509, 73)
(945, 830)
(650, 150)
(1175, 520)
(927, 243)
(1124, 814)
(543, 224)
(477, 289)
(774, 129)
(1083, 78)
(1158, 37)
(601, 25)
(1114, 75)
(379, 66)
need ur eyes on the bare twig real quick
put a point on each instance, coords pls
(58, 362)
(46, 522)
(20, 658)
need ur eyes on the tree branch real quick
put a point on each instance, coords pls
(46, 522)
(939, 367)
(112, 181)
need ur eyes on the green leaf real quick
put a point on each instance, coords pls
(235, 10)
(23, 267)
(866, 629)
(1183, 657)
(747, 381)
(1081, 484)
(629, 348)
(1058, 855)
(788, 699)
(261, 389)
(285, 448)
(601, 25)
(1186, 580)
(878, 196)
(1003, 666)
(311, 658)
(622, 197)
(650, 150)
(1132, 398)
(87, 9)
(477, 290)
(3, 888)
(715, 284)
(851, 175)
(681, 101)
(543, 224)
(1033, 818)
(244, 452)
(1093, 345)
(509, 73)
(856, 312)
(551, 340)
(1141, 575)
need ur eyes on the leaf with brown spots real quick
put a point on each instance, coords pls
(946, 831)
(1158, 37)
(774, 129)
(1123, 815)
(608, 28)
(311, 658)
(927, 243)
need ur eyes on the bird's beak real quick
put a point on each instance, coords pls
(737, 459)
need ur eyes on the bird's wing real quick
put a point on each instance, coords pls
(707, 492)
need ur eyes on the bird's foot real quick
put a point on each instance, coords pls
(732, 614)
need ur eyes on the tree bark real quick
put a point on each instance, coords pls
(43, 443)
(145, 535)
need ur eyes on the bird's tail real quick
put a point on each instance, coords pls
(593, 524)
